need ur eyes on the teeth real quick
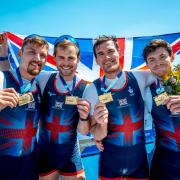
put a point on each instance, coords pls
(108, 62)
(66, 68)
(34, 64)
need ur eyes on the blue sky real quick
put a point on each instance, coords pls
(90, 18)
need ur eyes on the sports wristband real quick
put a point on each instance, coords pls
(3, 58)
(82, 119)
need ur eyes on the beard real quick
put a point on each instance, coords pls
(34, 70)
(111, 68)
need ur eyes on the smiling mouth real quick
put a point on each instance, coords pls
(35, 64)
(108, 62)
(65, 68)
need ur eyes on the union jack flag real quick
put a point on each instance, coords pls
(131, 53)
(131, 58)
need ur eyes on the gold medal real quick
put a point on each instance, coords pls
(71, 100)
(159, 99)
(105, 98)
(25, 98)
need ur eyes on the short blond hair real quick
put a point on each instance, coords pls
(35, 40)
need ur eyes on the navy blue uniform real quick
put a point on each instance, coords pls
(124, 147)
(18, 143)
(58, 148)
(166, 159)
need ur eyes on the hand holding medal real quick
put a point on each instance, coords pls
(83, 109)
(101, 113)
(8, 98)
(170, 86)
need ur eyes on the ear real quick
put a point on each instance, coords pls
(78, 59)
(97, 61)
(20, 53)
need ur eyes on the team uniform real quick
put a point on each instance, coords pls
(166, 159)
(58, 147)
(124, 152)
(18, 127)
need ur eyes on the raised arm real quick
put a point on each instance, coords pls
(4, 62)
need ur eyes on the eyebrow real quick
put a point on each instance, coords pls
(31, 48)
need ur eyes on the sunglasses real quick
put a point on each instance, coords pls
(32, 36)
(66, 37)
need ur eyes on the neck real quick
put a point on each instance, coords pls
(112, 75)
(25, 74)
(67, 78)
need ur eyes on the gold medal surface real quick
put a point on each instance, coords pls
(105, 98)
(25, 98)
(71, 100)
(159, 99)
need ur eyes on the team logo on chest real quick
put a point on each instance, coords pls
(51, 94)
(123, 102)
(31, 106)
(131, 91)
(58, 105)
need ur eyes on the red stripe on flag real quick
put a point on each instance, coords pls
(51, 60)
(121, 42)
(176, 47)
(15, 38)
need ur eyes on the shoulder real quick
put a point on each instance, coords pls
(139, 73)
(43, 78)
(144, 76)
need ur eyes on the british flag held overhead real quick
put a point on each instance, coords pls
(131, 58)
(131, 53)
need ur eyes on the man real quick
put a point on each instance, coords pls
(166, 159)
(63, 108)
(19, 115)
(117, 112)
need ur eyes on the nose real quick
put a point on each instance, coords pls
(37, 57)
(107, 56)
(65, 62)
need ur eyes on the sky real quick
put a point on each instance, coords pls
(90, 18)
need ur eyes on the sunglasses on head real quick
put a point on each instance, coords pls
(32, 36)
(65, 37)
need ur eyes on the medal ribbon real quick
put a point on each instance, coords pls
(23, 88)
(159, 88)
(67, 87)
(111, 84)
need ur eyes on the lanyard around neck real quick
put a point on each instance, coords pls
(111, 84)
(23, 88)
(67, 87)
(159, 88)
